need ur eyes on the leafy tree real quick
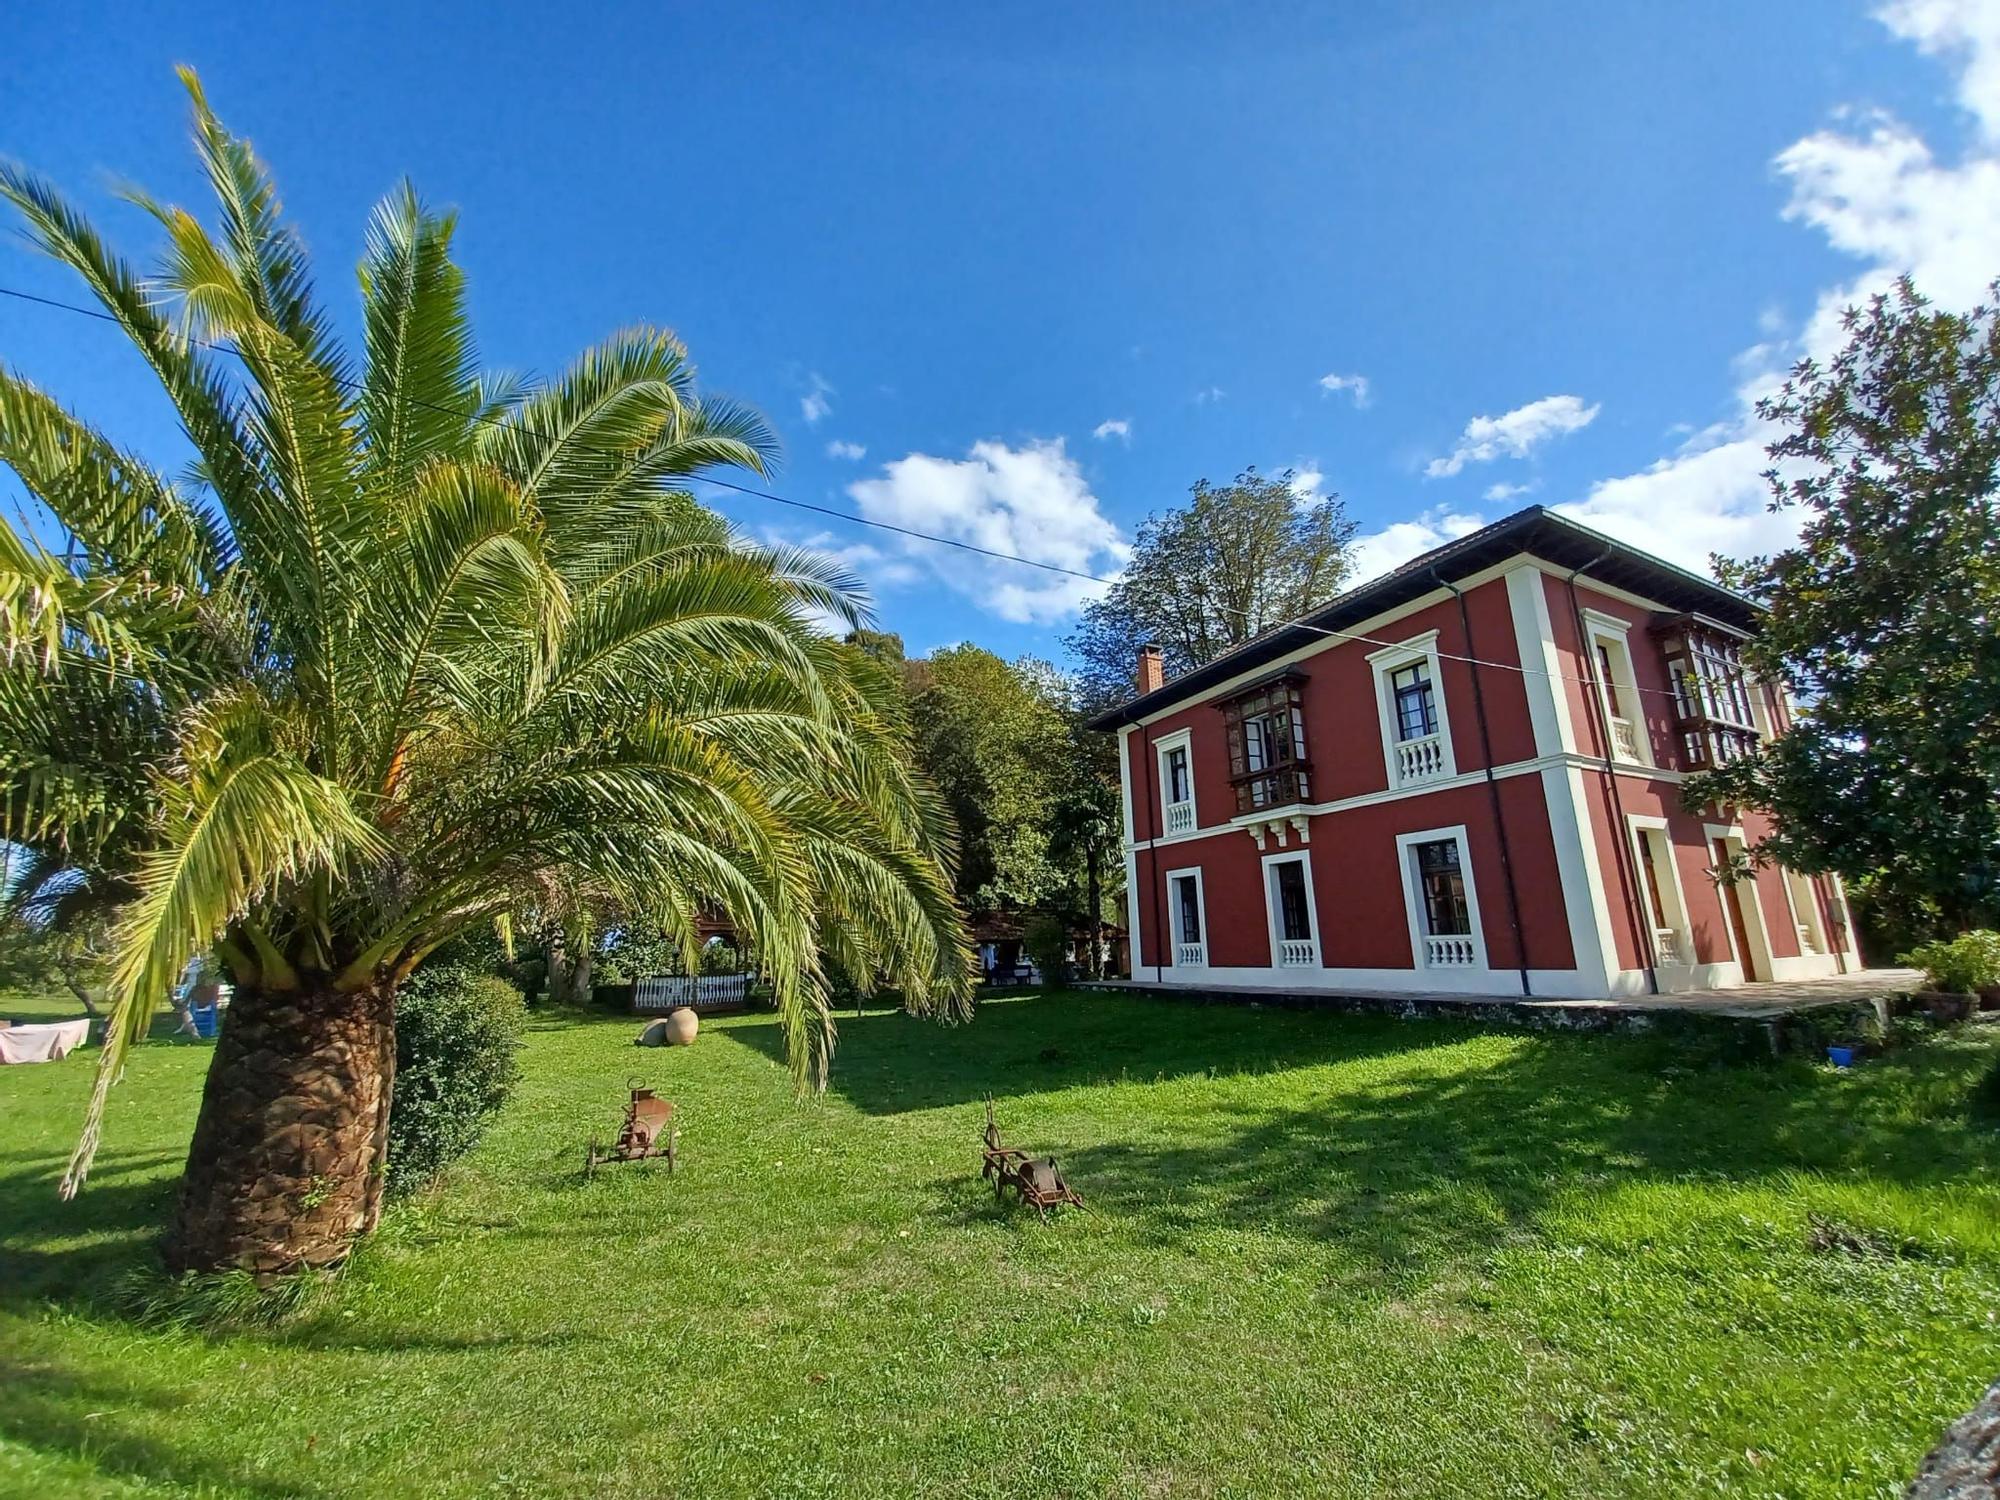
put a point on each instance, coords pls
(410, 647)
(1085, 818)
(987, 740)
(1045, 940)
(884, 646)
(1886, 615)
(1208, 576)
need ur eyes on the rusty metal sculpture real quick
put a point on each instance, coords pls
(649, 1131)
(999, 1159)
(1035, 1181)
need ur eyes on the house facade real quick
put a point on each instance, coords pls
(1465, 776)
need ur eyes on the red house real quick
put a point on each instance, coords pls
(1465, 776)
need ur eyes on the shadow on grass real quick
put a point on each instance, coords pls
(888, 1063)
(76, 1252)
(54, 1410)
(1403, 1168)
(1407, 1176)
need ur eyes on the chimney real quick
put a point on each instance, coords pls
(1152, 670)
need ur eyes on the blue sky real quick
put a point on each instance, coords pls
(1022, 274)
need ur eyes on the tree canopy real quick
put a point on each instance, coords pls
(1207, 576)
(990, 743)
(412, 645)
(1885, 616)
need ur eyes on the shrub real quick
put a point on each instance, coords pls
(456, 1031)
(1986, 1096)
(1045, 939)
(1968, 963)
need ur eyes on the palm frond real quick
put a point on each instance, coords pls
(245, 816)
(200, 395)
(123, 514)
(269, 260)
(419, 392)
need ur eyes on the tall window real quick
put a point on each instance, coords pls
(1177, 774)
(1268, 763)
(1711, 693)
(1187, 902)
(1294, 917)
(1417, 713)
(1649, 876)
(1416, 709)
(1610, 680)
(1442, 884)
(1414, 717)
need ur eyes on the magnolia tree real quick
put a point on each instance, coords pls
(1885, 616)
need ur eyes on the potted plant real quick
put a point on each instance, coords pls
(1963, 974)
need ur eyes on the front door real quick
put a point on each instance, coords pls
(1733, 897)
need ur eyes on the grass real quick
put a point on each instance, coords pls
(1323, 1255)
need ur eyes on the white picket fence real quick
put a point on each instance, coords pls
(671, 991)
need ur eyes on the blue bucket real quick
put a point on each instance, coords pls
(1841, 1057)
(204, 1016)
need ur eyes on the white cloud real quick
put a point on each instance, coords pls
(816, 403)
(1355, 385)
(1879, 193)
(1210, 394)
(1030, 502)
(1114, 427)
(1379, 552)
(1514, 434)
(1503, 491)
(1307, 482)
(841, 448)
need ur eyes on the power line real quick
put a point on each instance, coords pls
(852, 519)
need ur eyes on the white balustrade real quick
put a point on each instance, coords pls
(1667, 943)
(1625, 739)
(1807, 943)
(1298, 953)
(1180, 817)
(671, 991)
(1420, 759)
(1190, 956)
(1450, 951)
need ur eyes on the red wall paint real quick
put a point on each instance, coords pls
(1694, 857)
(1357, 887)
(1358, 891)
(1343, 717)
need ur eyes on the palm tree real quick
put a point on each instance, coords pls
(409, 645)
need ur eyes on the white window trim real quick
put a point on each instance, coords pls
(1413, 906)
(1173, 944)
(1180, 739)
(1760, 707)
(1599, 626)
(1273, 913)
(1386, 662)
(1810, 918)
(1672, 893)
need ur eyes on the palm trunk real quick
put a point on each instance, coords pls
(290, 1149)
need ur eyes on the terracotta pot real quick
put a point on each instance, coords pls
(682, 1024)
(1945, 1006)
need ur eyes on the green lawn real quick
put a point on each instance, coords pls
(1323, 1256)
